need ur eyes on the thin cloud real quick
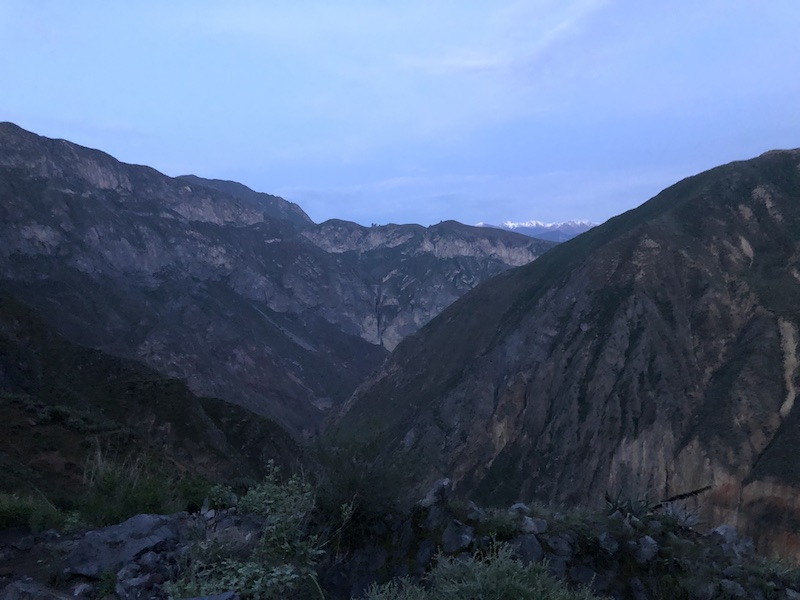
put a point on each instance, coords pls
(518, 34)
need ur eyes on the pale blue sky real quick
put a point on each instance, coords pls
(413, 111)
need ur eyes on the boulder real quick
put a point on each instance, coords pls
(457, 537)
(110, 548)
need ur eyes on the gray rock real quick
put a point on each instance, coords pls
(732, 589)
(791, 594)
(528, 549)
(437, 515)
(533, 525)
(129, 571)
(519, 509)
(556, 565)
(111, 547)
(727, 533)
(83, 590)
(582, 575)
(607, 542)
(637, 589)
(27, 589)
(705, 591)
(646, 550)
(150, 560)
(135, 588)
(559, 545)
(225, 596)
(457, 537)
(616, 516)
(438, 494)
(733, 546)
(24, 543)
(425, 553)
(734, 571)
(402, 539)
(475, 513)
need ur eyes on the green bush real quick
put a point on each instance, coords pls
(192, 492)
(492, 576)
(118, 490)
(281, 563)
(29, 512)
(353, 498)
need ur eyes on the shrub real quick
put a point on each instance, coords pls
(354, 498)
(492, 576)
(192, 492)
(640, 507)
(282, 560)
(118, 490)
(29, 512)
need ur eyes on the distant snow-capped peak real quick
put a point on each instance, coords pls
(559, 232)
(582, 224)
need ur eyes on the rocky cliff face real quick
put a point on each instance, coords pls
(414, 272)
(232, 291)
(654, 355)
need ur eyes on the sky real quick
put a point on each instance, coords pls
(414, 110)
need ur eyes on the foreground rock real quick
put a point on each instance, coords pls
(618, 554)
(654, 554)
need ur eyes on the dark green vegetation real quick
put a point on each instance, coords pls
(277, 541)
(109, 438)
(656, 353)
(278, 562)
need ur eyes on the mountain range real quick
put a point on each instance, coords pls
(237, 293)
(653, 355)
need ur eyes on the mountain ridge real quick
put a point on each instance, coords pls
(652, 354)
(209, 287)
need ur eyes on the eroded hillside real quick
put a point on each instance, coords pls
(234, 292)
(655, 355)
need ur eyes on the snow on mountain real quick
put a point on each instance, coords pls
(557, 232)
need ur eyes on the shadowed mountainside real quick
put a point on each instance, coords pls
(59, 403)
(655, 354)
(199, 280)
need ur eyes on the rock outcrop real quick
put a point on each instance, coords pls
(617, 554)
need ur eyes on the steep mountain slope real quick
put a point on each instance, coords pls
(60, 402)
(655, 354)
(197, 279)
(415, 272)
